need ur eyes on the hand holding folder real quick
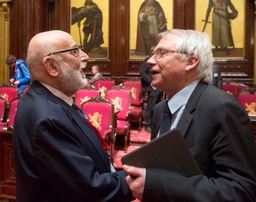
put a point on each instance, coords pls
(169, 151)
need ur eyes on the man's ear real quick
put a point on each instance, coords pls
(192, 62)
(51, 66)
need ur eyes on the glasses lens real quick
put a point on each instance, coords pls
(158, 53)
(75, 52)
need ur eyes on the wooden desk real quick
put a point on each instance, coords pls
(7, 173)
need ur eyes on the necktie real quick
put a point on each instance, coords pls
(103, 143)
(166, 119)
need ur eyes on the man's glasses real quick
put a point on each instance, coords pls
(159, 53)
(73, 51)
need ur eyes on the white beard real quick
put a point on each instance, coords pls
(71, 80)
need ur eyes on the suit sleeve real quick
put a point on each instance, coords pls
(228, 162)
(63, 161)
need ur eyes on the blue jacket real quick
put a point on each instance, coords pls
(21, 74)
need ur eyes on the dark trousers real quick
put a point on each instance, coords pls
(153, 98)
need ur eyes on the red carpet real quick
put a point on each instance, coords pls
(139, 137)
(119, 154)
(136, 140)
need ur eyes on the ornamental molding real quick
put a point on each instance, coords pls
(6, 7)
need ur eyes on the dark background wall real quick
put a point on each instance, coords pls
(28, 17)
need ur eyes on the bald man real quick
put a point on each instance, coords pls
(58, 156)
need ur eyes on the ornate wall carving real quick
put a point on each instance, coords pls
(4, 38)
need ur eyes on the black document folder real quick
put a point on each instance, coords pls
(169, 151)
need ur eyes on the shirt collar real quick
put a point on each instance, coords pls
(59, 94)
(181, 98)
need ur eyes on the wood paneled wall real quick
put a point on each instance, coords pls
(28, 17)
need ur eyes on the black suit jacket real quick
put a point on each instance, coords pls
(219, 134)
(58, 156)
(146, 77)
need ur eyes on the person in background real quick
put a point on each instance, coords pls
(213, 123)
(153, 94)
(20, 75)
(58, 155)
(216, 77)
(96, 74)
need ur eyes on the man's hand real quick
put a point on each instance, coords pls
(135, 180)
(11, 80)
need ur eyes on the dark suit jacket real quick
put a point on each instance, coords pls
(58, 156)
(219, 134)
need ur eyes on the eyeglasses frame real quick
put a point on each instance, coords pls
(65, 50)
(166, 51)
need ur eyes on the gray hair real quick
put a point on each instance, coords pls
(194, 43)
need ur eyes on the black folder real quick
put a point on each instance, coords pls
(169, 151)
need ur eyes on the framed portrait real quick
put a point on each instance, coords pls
(89, 26)
(148, 18)
(224, 22)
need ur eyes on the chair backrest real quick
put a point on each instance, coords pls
(120, 97)
(86, 94)
(232, 88)
(12, 111)
(135, 87)
(100, 113)
(25, 90)
(8, 93)
(2, 108)
(248, 101)
(103, 85)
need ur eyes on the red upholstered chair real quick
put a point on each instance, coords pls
(101, 114)
(120, 97)
(2, 111)
(249, 102)
(103, 85)
(12, 112)
(8, 93)
(137, 102)
(86, 94)
(234, 88)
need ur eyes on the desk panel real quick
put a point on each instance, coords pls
(7, 173)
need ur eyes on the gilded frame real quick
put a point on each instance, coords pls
(100, 49)
(134, 26)
(222, 27)
(239, 67)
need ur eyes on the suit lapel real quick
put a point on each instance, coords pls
(184, 122)
(187, 115)
(82, 126)
(90, 135)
